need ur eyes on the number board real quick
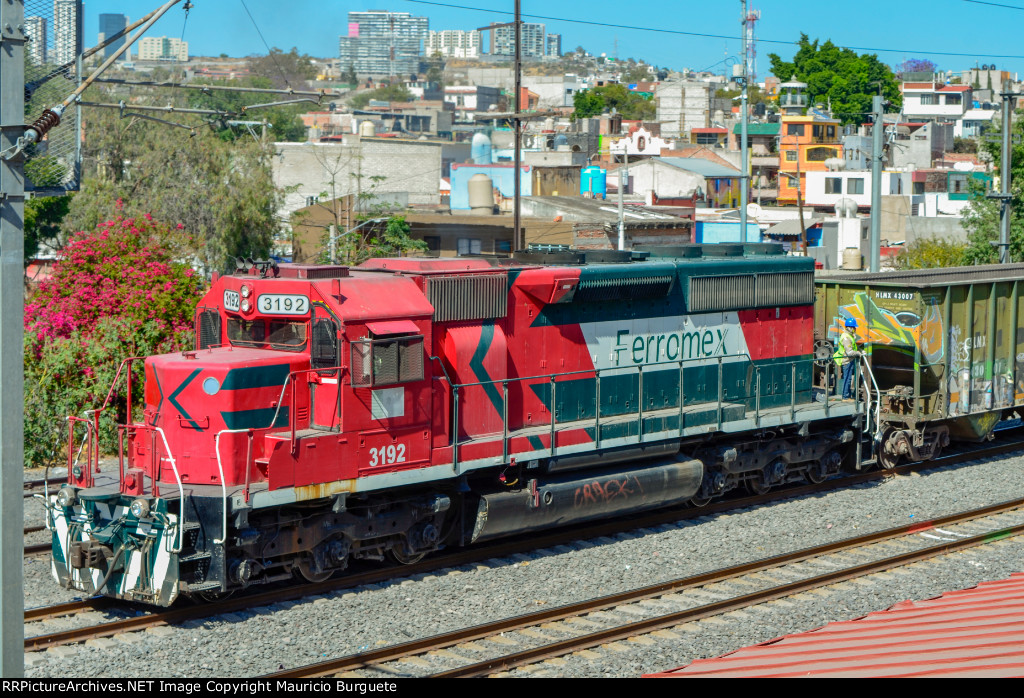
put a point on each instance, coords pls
(282, 304)
(232, 301)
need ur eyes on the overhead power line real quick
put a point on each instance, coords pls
(705, 35)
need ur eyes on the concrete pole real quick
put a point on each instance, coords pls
(623, 173)
(744, 167)
(876, 183)
(12, 309)
(1004, 203)
(517, 239)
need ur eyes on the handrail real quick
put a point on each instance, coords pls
(223, 485)
(596, 373)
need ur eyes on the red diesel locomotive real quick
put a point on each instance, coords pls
(330, 413)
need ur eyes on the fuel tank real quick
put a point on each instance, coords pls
(583, 496)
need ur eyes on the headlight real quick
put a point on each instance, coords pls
(66, 496)
(245, 291)
(139, 508)
(245, 306)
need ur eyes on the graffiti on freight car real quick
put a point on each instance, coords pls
(897, 326)
(603, 492)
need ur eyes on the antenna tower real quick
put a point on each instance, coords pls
(748, 38)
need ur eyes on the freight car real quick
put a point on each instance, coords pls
(330, 413)
(944, 348)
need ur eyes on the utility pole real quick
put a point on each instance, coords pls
(877, 132)
(1004, 195)
(12, 309)
(623, 173)
(517, 124)
(744, 182)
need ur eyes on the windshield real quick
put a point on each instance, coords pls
(267, 334)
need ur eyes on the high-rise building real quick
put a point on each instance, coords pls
(66, 31)
(383, 43)
(532, 36)
(554, 46)
(110, 25)
(35, 31)
(454, 44)
(163, 48)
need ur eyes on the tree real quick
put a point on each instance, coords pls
(917, 65)
(435, 69)
(388, 93)
(118, 291)
(931, 253)
(284, 70)
(981, 217)
(283, 122)
(839, 77)
(965, 145)
(43, 218)
(598, 100)
(222, 193)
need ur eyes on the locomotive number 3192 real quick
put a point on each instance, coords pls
(386, 455)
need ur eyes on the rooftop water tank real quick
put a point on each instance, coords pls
(593, 182)
(367, 129)
(481, 194)
(480, 149)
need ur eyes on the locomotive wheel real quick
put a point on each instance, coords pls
(816, 472)
(699, 501)
(887, 460)
(757, 484)
(305, 569)
(399, 555)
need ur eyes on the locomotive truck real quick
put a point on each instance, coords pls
(330, 413)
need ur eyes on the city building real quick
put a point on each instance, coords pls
(533, 40)
(67, 31)
(383, 43)
(163, 48)
(452, 43)
(553, 47)
(682, 107)
(35, 32)
(807, 142)
(469, 98)
(111, 24)
(932, 100)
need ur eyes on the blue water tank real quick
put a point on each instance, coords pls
(561, 139)
(593, 182)
(480, 149)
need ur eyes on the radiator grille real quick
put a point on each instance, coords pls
(209, 329)
(604, 289)
(468, 297)
(387, 361)
(745, 291)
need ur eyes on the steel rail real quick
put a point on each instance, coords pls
(395, 652)
(622, 632)
(464, 556)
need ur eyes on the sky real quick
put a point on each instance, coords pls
(983, 32)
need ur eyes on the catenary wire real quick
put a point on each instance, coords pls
(706, 35)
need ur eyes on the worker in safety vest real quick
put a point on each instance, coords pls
(846, 355)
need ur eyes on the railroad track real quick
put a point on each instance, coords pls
(658, 607)
(183, 613)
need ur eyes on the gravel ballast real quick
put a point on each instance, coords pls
(292, 634)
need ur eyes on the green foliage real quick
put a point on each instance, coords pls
(597, 100)
(388, 93)
(965, 145)
(284, 70)
(43, 218)
(931, 253)
(754, 94)
(115, 293)
(839, 76)
(981, 217)
(283, 123)
(221, 193)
